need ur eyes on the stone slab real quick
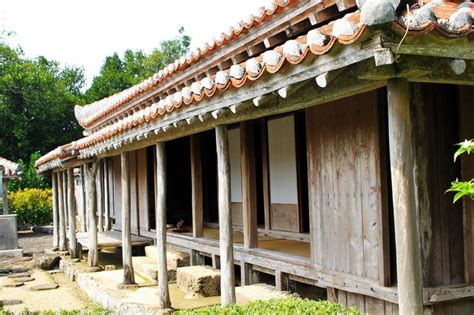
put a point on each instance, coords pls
(13, 284)
(8, 233)
(45, 286)
(24, 279)
(11, 252)
(202, 280)
(148, 267)
(19, 275)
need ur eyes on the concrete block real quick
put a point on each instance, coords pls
(11, 253)
(174, 259)
(202, 280)
(8, 232)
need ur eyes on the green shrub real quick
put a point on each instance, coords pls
(92, 310)
(33, 206)
(290, 305)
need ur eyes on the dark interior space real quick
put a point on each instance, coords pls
(178, 177)
(302, 170)
(150, 168)
(209, 176)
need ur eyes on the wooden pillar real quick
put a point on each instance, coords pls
(5, 195)
(281, 280)
(265, 175)
(466, 95)
(163, 291)
(62, 213)
(401, 166)
(83, 210)
(196, 178)
(72, 214)
(246, 273)
(93, 255)
(64, 187)
(128, 273)
(249, 185)
(106, 198)
(100, 197)
(225, 217)
(55, 212)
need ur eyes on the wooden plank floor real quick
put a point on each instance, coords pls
(111, 239)
(291, 247)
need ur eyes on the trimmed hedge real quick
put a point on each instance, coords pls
(33, 206)
(290, 305)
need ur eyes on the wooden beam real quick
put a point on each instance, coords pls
(163, 290)
(83, 211)
(281, 280)
(245, 273)
(249, 184)
(106, 190)
(73, 249)
(196, 189)
(128, 273)
(406, 236)
(225, 217)
(100, 196)
(196, 259)
(64, 187)
(265, 174)
(93, 254)
(62, 214)
(55, 212)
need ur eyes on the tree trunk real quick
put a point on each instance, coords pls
(225, 218)
(93, 255)
(72, 214)
(128, 273)
(62, 214)
(406, 235)
(163, 290)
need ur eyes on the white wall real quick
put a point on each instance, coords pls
(282, 160)
(235, 169)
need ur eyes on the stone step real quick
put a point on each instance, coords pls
(148, 267)
(174, 259)
(202, 280)
(259, 291)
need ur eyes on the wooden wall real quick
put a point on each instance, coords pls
(347, 200)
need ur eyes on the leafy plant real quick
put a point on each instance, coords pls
(290, 305)
(463, 189)
(33, 206)
(93, 310)
(29, 178)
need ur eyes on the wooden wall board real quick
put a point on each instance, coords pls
(284, 217)
(345, 186)
(142, 189)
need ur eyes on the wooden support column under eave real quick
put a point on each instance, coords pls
(83, 211)
(128, 273)
(100, 196)
(196, 178)
(64, 187)
(72, 214)
(55, 212)
(93, 255)
(106, 190)
(225, 217)
(62, 213)
(403, 190)
(163, 290)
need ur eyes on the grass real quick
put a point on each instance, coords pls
(290, 305)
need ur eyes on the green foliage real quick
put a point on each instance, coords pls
(29, 179)
(290, 305)
(37, 99)
(33, 206)
(463, 189)
(93, 310)
(118, 74)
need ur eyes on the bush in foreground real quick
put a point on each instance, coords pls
(92, 310)
(33, 206)
(290, 305)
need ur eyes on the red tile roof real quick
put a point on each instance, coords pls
(9, 168)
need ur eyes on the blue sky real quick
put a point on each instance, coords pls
(84, 32)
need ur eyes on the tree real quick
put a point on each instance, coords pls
(117, 73)
(37, 99)
(463, 189)
(29, 177)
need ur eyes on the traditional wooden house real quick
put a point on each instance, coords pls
(309, 146)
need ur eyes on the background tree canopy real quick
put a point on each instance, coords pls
(37, 96)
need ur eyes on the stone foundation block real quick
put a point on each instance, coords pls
(202, 280)
(174, 259)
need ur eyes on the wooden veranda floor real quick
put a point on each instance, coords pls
(111, 239)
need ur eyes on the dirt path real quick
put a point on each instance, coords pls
(66, 297)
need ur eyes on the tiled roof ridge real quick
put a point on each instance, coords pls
(10, 168)
(90, 113)
(318, 41)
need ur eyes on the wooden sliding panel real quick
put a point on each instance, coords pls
(142, 189)
(347, 207)
(236, 176)
(284, 213)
